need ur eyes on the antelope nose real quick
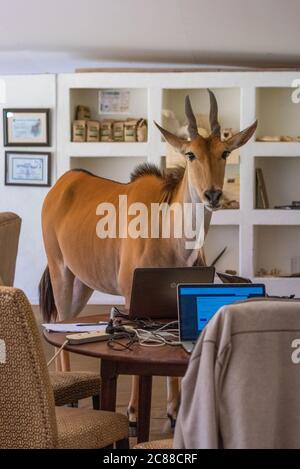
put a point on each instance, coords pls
(213, 196)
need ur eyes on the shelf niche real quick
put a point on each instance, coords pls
(219, 237)
(276, 113)
(89, 97)
(115, 168)
(274, 247)
(281, 180)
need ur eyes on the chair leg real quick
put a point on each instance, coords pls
(73, 404)
(122, 444)
(96, 402)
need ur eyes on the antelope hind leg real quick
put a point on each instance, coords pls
(62, 281)
(133, 405)
(80, 296)
(172, 399)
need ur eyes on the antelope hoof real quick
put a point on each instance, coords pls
(172, 421)
(132, 424)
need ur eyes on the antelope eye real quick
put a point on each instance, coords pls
(225, 154)
(190, 155)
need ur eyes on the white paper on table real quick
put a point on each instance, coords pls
(52, 327)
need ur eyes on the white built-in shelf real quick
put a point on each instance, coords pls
(275, 217)
(274, 148)
(254, 237)
(226, 217)
(280, 286)
(97, 149)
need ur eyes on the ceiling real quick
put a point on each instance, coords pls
(73, 33)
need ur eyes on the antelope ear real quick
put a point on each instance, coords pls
(176, 142)
(241, 138)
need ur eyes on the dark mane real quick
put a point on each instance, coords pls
(171, 177)
(145, 169)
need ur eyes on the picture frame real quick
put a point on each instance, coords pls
(114, 101)
(26, 127)
(24, 168)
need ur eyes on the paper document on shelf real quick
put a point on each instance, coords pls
(73, 327)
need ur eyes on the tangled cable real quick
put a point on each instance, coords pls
(164, 335)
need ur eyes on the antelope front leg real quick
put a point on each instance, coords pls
(65, 361)
(62, 362)
(57, 361)
(133, 405)
(172, 399)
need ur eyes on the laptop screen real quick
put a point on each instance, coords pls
(198, 303)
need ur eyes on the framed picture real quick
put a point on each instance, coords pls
(113, 101)
(26, 127)
(27, 168)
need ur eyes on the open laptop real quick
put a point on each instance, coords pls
(154, 290)
(198, 303)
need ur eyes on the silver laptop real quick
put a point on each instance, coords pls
(197, 303)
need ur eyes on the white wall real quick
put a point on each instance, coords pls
(28, 91)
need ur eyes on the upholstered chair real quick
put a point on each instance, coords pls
(155, 444)
(10, 225)
(69, 387)
(29, 418)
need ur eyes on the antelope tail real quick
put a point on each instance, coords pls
(46, 298)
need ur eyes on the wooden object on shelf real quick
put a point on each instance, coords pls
(226, 134)
(118, 131)
(286, 138)
(92, 131)
(218, 257)
(79, 131)
(269, 138)
(278, 138)
(228, 203)
(106, 130)
(141, 130)
(230, 272)
(262, 200)
(83, 113)
(265, 273)
(130, 130)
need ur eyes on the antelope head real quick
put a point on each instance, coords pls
(206, 157)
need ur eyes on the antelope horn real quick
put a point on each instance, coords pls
(192, 124)
(213, 115)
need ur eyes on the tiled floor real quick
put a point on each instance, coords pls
(160, 427)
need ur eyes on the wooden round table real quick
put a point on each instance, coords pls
(144, 362)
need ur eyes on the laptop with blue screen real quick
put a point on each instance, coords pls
(198, 303)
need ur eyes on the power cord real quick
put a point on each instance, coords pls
(164, 335)
(57, 352)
